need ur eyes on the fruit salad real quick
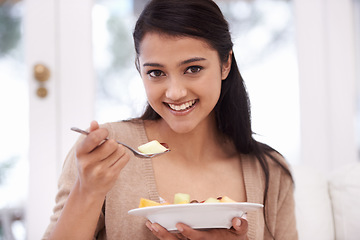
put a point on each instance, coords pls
(183, 198)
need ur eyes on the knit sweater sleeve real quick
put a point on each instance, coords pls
(281, 204)
(285, 221)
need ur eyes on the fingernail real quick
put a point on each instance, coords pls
(237, 222)
(149, 226)
(180, 229)
(155, 228)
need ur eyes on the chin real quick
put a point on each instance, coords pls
(182, 128)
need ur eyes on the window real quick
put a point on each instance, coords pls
(14, 121)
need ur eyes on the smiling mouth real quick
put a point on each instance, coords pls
(183, 106)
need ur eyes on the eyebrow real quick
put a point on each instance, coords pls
(191, 60)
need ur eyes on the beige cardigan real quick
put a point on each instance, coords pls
(137, 180)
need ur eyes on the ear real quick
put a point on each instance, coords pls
(226, 67)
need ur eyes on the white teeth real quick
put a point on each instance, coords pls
(183, 106)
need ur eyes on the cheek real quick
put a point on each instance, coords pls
(213, 88)
(215, 93)
(152, 91)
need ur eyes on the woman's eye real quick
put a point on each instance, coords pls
(194, 69)
(155, 73)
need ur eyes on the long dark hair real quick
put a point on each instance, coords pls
(203, 19)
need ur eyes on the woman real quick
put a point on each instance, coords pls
(198, 105)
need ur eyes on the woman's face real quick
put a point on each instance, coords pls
(182, 78)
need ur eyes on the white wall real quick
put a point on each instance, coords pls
(326, 55)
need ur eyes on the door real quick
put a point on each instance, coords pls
(57, 36)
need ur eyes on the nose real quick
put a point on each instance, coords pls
(175, 90)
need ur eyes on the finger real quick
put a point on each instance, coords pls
(122, 161)
(240, 226)
(106, 153)
(160, 232)
(191, 233)
(93, 140)
(93, 126)
(118, 157)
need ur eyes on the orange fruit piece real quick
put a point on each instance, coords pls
(148, 203)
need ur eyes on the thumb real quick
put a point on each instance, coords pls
(94, 125)
(240, 225)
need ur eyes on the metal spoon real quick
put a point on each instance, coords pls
(136, 153)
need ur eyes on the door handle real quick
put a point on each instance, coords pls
(41, 75)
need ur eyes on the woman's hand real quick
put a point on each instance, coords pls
(238, 231)
(99, 162)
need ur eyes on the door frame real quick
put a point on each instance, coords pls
(58, 35)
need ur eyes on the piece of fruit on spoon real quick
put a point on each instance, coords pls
(153, 147)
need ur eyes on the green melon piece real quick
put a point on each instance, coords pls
(181, 198)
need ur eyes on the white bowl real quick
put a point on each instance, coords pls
(196, 215)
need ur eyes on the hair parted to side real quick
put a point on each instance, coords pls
(203, 19)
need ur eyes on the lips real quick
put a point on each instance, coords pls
(182, 107)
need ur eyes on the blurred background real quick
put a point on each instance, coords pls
(65, 63)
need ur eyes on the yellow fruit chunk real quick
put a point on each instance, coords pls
(152, 147)
(181, 198)
(212, 200)
(148, 203)
(226, 199)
